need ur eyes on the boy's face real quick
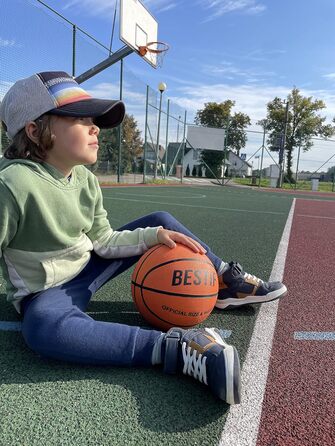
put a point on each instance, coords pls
(76, 142)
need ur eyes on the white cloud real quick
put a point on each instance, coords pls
(105, 8)
(217, 8)
(330, 76)
(6, 42)
(230, 71)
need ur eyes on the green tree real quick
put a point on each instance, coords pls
(132, 145)
(219, 115)
(303, 122)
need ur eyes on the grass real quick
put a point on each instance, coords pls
(301, 185)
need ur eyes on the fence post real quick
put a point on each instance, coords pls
(184, 142)
(120, 126)
(167, 136)
(296, 172)
(260, 171)
(145, 134)
(74, 33)
(224, 149)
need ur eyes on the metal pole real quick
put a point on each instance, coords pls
(282, 149)
(260, 171)
(179, 118)
(296, 172)
(120, 127)
(74, 32)
(145, 134)
(184, 139)
(333, 187)
(111, 60)
(224, 151)
(158, 131)
(167, 136)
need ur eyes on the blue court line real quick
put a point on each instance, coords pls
(10, 326)
(314, 335)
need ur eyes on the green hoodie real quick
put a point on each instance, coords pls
(50, 224)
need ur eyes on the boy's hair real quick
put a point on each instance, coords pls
(22, 147)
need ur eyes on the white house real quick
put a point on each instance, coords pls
(238, 167)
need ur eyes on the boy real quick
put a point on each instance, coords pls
(57, 247)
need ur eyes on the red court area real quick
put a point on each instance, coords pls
(299, 401)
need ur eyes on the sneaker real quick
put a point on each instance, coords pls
(203, 354)
(237, 288)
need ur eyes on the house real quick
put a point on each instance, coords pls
(237, 166)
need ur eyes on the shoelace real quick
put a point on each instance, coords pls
(252, 277)
(194, 365)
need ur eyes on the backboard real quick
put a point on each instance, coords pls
(138, 27)
(209, 138)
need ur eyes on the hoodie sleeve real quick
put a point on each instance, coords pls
(110, 244)
(9, 217)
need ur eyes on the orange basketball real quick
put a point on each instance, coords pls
(174, 287)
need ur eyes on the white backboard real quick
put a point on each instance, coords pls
(205, 138)
(138, 27)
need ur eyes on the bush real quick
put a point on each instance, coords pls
(194, 171)
(187, 173)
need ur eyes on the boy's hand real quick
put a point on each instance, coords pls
(169, 238)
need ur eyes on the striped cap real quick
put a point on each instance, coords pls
(55, 92)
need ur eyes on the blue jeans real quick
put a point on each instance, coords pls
(55, 324)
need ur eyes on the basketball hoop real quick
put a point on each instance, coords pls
(154, 51)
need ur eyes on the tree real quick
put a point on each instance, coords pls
(219, 115)
(303, 122)
(131, 145)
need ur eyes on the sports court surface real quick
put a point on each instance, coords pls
(288, 384)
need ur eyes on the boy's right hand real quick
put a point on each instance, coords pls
(169, 238)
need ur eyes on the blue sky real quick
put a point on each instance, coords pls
(246, 50)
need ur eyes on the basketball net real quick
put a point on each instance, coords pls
(154, 51)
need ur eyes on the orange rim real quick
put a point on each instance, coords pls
(158, 48)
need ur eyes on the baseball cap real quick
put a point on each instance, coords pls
(55, 92)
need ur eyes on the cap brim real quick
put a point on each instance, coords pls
(106, 113)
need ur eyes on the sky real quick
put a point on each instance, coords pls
(249, 51)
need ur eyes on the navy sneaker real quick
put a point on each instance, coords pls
(203, 354)
(237, 288)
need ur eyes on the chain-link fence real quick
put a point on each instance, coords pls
(151, 144)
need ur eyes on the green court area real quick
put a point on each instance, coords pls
(53, 403)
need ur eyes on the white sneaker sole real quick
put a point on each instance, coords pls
(235, 302)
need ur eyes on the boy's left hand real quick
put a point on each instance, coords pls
(168, 238)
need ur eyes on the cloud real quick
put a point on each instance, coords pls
(105, 8)
(6, 42)
(218, 8)
(229, 71)
(330, 76)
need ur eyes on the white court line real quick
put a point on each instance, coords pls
(193, 196)
(197, 206)
(242, 424)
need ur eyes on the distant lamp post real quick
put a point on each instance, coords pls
(161, 88)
